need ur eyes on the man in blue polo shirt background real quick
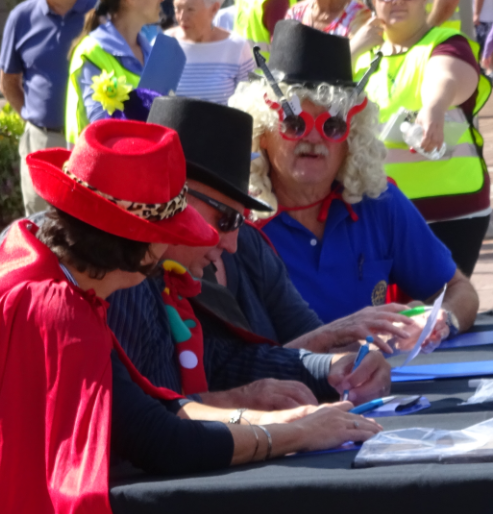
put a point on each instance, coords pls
(34, 73)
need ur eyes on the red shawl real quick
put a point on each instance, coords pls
(55, 385)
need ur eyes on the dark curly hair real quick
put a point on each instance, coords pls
(89, 249)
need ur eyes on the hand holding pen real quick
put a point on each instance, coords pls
(363, 382)
(363, 351)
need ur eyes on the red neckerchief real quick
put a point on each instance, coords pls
(335, 194)
(185, 327)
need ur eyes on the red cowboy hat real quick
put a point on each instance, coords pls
(126, 178)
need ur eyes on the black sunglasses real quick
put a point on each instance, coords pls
(230, 220)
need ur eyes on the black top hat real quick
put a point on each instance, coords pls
(216, 141)
(307, 55)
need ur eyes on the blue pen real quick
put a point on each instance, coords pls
(363, 351)
(364, 407)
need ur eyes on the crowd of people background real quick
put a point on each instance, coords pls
(189, 292)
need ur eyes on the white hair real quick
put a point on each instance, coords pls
(362, 172)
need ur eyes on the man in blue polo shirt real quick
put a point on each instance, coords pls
(343, 232)
(34, 73)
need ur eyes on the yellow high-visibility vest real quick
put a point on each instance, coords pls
(397, 83)
(248, 23)
(75, 113)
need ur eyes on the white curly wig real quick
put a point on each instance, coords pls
(362, 172)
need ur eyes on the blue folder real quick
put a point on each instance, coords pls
(164, 67)
(346, 447)
(479, 338)
(448, 370)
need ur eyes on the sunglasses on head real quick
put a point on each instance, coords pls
(230, 220)
(331, 128)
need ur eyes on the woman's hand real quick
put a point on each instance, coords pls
(331, 425)
(432, 120)
(326, 427)
(448, 81)
(367, 37)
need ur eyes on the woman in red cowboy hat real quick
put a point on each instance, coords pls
(117, 201)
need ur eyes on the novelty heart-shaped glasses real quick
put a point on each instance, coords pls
(331, 128)
(294, 123)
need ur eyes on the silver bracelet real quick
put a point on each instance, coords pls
(269, 441)
(256, 438)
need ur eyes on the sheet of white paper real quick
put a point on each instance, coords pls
(430, 323)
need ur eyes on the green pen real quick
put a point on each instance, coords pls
(416, 311)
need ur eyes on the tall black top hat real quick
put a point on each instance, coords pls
(216, 141)
(307, 55)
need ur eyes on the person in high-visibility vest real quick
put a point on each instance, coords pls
(255, 20)
(110, 57)
(434, 72)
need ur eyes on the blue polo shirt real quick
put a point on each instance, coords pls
(113, 43)
(36, 43)
(351, 266)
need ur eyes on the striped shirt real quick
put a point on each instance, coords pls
(213, 70)
(341, 26)
(138, 318)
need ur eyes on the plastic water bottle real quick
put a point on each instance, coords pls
(412, 133)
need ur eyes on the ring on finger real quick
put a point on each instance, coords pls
(356, 424)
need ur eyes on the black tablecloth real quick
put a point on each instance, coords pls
(310, 483)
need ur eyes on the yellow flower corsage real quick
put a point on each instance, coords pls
(110, 91)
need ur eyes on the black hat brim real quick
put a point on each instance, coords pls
(209, 178)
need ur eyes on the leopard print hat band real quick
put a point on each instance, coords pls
(147, 211)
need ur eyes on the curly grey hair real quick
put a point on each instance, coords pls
(362, 173)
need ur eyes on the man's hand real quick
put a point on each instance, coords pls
(375, 321)
(439, 333)
(370, 380)
(11, 86)
(267, 394)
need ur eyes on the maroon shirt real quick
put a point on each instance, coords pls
(274, 11)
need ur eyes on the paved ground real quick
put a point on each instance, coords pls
(483, 273)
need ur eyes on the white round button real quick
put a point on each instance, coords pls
(313, 242)
(188, 359)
